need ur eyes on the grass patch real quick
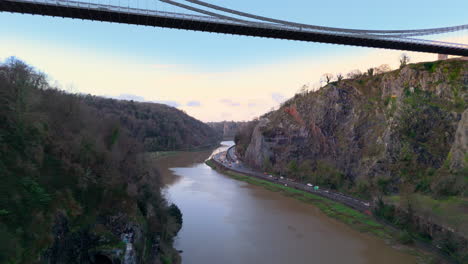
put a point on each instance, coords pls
(431, 66)
(160, 154)
(451, 212)
(166, 259)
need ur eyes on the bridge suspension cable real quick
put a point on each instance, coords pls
(201, 11)
(294, 25)
(394, 33)
(394, 37)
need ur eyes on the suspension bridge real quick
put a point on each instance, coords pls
(203, 16)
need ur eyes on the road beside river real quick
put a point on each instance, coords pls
(229, 160)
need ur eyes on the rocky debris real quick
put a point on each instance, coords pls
(129, 256)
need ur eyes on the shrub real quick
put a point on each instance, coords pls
(430, 66)
(405, 238)
(175, 212)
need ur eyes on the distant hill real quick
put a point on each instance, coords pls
(227, 129)
(159, 127)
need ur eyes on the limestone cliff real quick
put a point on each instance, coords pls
(407, 125)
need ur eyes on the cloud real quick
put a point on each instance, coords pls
(169, 103)
(229, 102)
(277, 97)
(225, 116)
(194, 103)
(251, 105)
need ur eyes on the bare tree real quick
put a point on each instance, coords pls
(382, 69)
(339, 77)
(302, 91)
(354, 74)
(327, 77)
(404, 60)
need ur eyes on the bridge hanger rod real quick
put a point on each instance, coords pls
(413, 32)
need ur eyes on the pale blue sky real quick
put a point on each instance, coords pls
(195, 53)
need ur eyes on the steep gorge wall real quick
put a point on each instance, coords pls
(405, 124)
(76, 185)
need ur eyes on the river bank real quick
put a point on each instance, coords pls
(353, 218)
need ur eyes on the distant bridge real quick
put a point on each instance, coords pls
(211, 19)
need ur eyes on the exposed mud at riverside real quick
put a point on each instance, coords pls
(229, 221)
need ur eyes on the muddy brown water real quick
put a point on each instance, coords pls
(230, 221)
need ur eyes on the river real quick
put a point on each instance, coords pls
(230, 221)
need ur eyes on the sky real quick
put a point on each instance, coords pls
(215, 77)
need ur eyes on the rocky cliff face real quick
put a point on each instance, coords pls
(407, 125)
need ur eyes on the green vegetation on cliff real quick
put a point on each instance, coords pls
(74, 180)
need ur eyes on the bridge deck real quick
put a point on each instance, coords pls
(199, 23)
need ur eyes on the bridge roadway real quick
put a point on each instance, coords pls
(98, 12)
(228, 160)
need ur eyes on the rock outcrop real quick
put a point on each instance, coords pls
(459, 150)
